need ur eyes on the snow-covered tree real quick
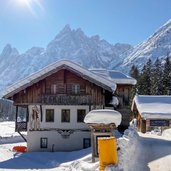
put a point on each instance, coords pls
(167, 77)
(156, 77)
(145, 79)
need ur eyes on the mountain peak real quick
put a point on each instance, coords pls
(95, 38)
(35, 51)
(66, 29)
(7, 47)
(79, 30)
(8, 50)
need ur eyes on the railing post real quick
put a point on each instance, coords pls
(16, 116)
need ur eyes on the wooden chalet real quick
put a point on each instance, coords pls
(124, 85)
(55, 101)
(153, 112)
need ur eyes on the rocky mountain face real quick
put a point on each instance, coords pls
(156, 46)
(91, 52)
(88, 51)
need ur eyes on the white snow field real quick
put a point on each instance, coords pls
(138, 152)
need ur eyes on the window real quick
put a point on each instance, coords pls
(65, 115)
(76, 89)
(81, 115)
(86, 142)
(53, 89)
(49, 115)
(43, 142)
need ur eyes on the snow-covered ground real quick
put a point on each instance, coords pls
(138, 152)
(77, 160)
(156, 152)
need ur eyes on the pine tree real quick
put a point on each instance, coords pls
(167, 77)
(145, 79)
(156, 77)
(134, 72)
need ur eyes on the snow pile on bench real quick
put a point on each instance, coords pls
(103, 116)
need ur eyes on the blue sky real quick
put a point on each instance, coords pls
(36, 22)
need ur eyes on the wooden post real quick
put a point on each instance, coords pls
(16, 116)
(27, 117)
(41, 114)
(143, 125)
(92, 145)
(89, 107)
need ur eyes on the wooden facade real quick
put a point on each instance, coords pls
(145, 125)
(66, 83)
(123, 95)
(58, 89)
(63, 87)
(123, 91)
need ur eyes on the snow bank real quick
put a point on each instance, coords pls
(103, 116)
(155, 131)
(129, 147)
(7, 129)
(8, 134)
(167, 133)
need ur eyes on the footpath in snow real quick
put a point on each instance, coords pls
(155, 153)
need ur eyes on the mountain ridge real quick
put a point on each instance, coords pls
(91, 52)
(71, 44)
(156, 46)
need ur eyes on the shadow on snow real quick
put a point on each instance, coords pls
(152, 149)
(42, 160)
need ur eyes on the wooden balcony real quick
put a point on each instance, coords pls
(64, 99)
(21, 126)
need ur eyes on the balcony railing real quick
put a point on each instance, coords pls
(21, 126)
(67, 99)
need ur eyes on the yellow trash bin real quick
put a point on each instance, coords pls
(107, 147)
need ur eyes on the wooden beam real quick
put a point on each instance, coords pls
(102, 126)
(89, 107)
(27, 117)
(16, 116)
(26, 104)
(41, 113)
(92, 145)
(22, 136)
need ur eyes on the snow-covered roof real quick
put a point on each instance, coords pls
(153, 107)
(116, 76)
(52, 68)
(103, 116)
